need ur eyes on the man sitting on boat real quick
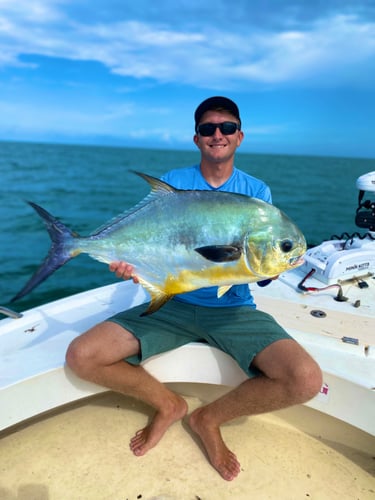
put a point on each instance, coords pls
(281, 373)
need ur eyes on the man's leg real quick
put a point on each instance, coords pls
(289, 376)
(98, 356)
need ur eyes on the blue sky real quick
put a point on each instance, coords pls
(132, 73)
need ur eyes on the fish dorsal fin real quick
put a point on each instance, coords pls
(158, 188)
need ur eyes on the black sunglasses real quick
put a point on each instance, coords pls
(226, 128)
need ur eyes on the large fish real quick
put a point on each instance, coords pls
(180, 241)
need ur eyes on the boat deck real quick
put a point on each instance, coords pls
(82, 452)
(353, 318)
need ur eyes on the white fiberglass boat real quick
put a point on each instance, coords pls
(328, 305)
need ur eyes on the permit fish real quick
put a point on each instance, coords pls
(182, 240)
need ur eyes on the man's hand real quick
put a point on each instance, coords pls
(123, 270)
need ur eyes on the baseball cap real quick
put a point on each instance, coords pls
(216, 103)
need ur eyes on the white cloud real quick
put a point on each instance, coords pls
(39, 11)
(140, 50)
(326, 48)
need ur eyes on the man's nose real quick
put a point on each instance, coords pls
(217, 134)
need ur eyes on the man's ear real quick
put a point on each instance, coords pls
(241, 135)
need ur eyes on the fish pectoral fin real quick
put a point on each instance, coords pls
(223, 290)
(220, 253)
(158, 297)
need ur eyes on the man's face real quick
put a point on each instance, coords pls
(218, 147)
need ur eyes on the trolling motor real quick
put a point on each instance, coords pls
(365, 215)
(347, 257)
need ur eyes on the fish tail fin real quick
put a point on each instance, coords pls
(61, 251)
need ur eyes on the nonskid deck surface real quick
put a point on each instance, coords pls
(83, 452)
(354, 316)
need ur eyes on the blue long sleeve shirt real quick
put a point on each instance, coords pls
(239, 182)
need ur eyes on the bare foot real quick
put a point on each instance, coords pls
(221, 458)
(147, 438)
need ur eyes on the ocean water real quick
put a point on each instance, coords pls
(85, 186)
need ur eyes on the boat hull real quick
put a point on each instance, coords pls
(34, 378)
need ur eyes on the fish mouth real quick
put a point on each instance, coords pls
(296, 261)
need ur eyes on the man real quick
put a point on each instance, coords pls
(280, 372)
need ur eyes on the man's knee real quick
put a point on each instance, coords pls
(307, 380)
(82, 357)
(76, 357)
(101, 346)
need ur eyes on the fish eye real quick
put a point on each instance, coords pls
(286, 246)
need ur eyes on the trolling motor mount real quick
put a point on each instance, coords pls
(365, 214)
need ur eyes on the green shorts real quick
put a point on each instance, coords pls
(242, 332)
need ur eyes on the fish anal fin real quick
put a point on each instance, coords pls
(220, 253)
(156, 303)
(223, 290)
(158, 297)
